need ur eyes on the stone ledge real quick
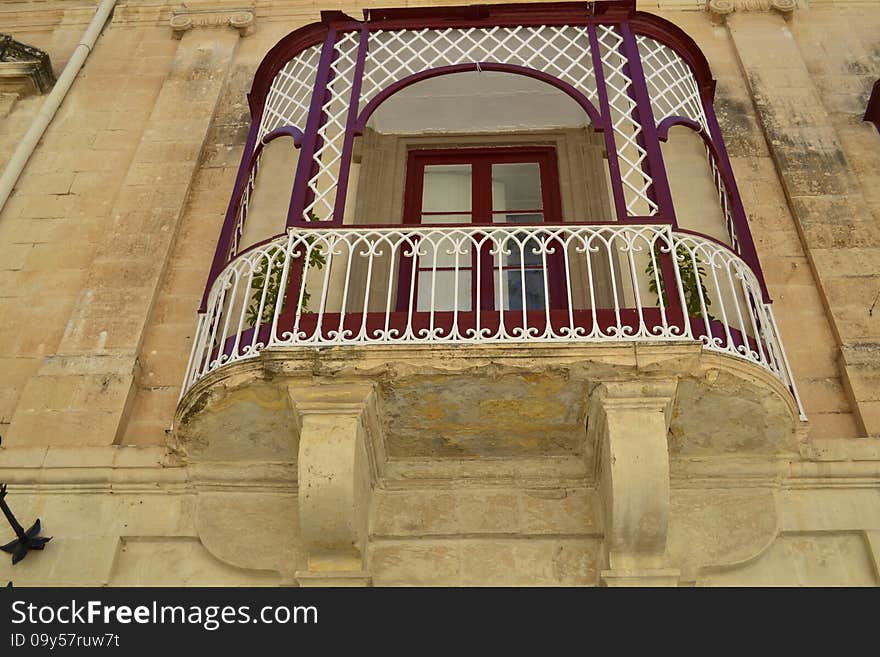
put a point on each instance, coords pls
(129, 469)
(242, 393)
(84, 457)
(138, 13)
(518, 472)
(31, 468)
(640, 577)
(308, 578)
(852, 449)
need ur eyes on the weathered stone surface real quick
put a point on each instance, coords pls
(414, 512)
(533, 562)
(825, 191)
(720, 414)
(630, 428)
(470, 415)
(226, 524)
(238, 423)
(796, 560)
(718, 527)
(178, 561)
(482, 473)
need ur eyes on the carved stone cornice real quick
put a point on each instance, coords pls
(185, 19)
(719, 10)
(24, 69)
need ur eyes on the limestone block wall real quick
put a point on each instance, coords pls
(43, 33)
(841, 78)
(107, 240)
(799, 304)
(130, 517)
(806, 81)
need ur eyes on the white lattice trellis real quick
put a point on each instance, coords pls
(673, 90)
(241, 214)
(287, 103)
(560, 51)
(672, 86)
(627, 131)
(724, 199)
(331, 135)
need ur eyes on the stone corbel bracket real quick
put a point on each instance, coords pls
(629, 425)
(719, 10)
(183, 20)
(338, 429)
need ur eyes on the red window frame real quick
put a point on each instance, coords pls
(481, 161)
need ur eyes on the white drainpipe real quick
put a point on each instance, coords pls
(41, 121)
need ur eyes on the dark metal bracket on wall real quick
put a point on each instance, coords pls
(872, 113)
(26, 540)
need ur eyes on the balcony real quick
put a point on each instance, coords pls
(486, 345)
(498, 244)
(483, 285)
(486, 207)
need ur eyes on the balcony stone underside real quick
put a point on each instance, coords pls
(485, 410)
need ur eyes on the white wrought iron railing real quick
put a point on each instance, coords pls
(485, 284)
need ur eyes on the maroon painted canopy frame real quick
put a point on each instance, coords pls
(620, 13)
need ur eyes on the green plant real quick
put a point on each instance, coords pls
(692, 277)
(269, 278)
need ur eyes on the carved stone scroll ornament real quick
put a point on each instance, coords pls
(183, 20)
(719, 10)
(24, 69)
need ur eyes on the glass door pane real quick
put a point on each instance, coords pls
(446, 189)
(517, 199)
(437, 290)
(445, 263)
(516, 186)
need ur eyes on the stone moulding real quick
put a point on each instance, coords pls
(24, 69)
(183, 20)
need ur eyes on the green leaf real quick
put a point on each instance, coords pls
(692, 281)
(270, 280)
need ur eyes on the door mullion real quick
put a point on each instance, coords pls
(481, 202)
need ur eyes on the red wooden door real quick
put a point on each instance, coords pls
(485, 187)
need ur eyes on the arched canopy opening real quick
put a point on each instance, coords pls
(467, 110)
(478, 85)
